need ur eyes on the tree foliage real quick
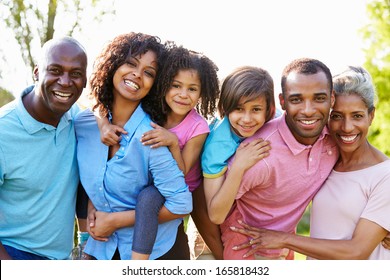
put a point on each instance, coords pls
(5, 96)
(35, 21)
(376, 35)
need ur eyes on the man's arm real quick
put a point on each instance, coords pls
(3, 253)
(209, 231)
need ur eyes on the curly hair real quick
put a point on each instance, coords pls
(114, 55)
(247, 82)
(179, 58)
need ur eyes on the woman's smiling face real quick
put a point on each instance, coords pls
(349, 122)
(134, 79)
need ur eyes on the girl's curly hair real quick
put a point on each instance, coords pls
(113, 55)
(179, 58)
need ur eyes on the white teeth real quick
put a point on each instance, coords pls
(62, 95)
(246, 126)
(309, 122)
(131, 84)
(348, 138)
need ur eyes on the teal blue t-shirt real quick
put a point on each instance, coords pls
(219, 146)
(38, 181)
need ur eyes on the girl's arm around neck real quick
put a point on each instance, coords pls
(221, 192)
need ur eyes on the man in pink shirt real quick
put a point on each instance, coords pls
(275, 192)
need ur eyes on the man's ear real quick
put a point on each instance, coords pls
(36, 74)
(281, 101)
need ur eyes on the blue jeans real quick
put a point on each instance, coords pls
(22, 255)
(149, 203)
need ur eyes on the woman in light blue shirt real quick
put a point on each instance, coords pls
(124, 73)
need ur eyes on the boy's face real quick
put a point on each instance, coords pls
(249, 116)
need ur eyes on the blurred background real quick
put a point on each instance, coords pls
(263, 33)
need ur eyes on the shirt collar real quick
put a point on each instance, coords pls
(132, 124)
(290, 140)
(237, 139)
(30, 124)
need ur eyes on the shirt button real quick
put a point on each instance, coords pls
(330, 153)
(100, 188)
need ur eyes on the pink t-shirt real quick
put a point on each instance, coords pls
(192, 126)
(275, 192)
(353, 195)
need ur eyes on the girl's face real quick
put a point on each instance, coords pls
(349, 122)
(184, 93)
(134, 79)
(249, 116)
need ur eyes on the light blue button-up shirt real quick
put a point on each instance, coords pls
(113, 185)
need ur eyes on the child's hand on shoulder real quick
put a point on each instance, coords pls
(158, 137)
(111, 134)
(248, 154)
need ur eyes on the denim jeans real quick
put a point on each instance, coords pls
(22, 255)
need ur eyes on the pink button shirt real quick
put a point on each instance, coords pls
(274, 193)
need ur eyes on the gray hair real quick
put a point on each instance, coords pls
(356, 80)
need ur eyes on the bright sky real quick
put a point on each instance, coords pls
(264, 33)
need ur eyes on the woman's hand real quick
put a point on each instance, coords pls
(91, 223)
(103, 226)
(386, 242)
(259, 238)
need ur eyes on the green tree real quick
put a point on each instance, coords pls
(5, 96)
(34, 22)
(376, 35)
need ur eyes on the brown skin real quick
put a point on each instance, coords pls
(61, 72)
(307, 102)
(60, 79)
(209, 231)
(139, 71)
(3, 253)
(349, 116)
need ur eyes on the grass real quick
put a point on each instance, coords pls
(303, 228)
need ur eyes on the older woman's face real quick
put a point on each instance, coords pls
(349, 122)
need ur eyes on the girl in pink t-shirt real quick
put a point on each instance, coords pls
(187, 94)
